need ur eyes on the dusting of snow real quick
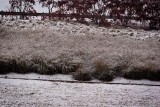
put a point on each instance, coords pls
(56, 40)
(62, 77)
(77, 29)
(78, 43)
(52, 94)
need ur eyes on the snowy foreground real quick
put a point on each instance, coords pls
(39, 93)
(33, 93)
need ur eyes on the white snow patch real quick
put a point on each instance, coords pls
(76, 28)
(69, 78)
(53, 94)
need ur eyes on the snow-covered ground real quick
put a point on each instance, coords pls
(83, 44)
(29, 93)
(68, 78)
(77, 29)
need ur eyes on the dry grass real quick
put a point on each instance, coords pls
(61, 53)
(36, 65)
(3, 32)
(15, 65)
(82, 75)
(102, 71)
(146, 70)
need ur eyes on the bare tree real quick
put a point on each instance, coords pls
(49, 4)
(22, 6)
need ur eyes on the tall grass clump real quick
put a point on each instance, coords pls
(41, 66)
(36, 65)
(4, 66)
(119, 68)
(102, 71)
(21, 66)
(149, 71)
(135, 73)
(15, 65)
(82, 75)
(154, 75)
(153, 72)
(66, 67)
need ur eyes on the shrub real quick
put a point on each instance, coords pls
(4, 67)
(103, 72)
(153, 72)
(18, 66)
(153, 75)
(49, 67)
(119, 68)
(40, 66)
(106, 76)
(81, 75)
(133, 73)
(21, 66)
(63, 67)
(14, 65)
(37, 65)
(66, 67)
(142, 72)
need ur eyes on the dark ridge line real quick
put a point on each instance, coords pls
(87, 82)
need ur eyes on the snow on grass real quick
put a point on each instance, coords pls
(76, 28)
(78, 43)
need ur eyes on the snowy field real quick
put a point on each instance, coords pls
(29, 93)
(82, 44)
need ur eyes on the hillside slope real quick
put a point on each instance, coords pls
(78, 43)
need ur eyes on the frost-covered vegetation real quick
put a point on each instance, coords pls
(59, 47)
